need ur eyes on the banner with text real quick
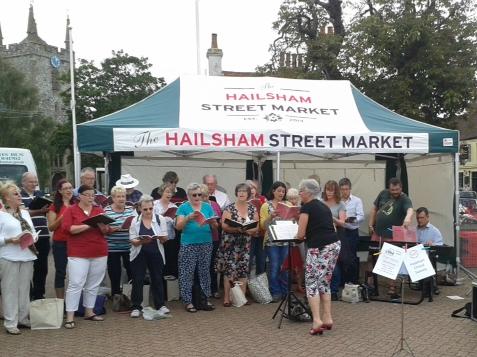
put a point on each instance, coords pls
(150, 139)
(268, 104)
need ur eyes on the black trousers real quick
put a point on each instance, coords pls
(213, 274)
(60, 257)
(171, 251)
(115, 269)
(151, 260)
(40, 268)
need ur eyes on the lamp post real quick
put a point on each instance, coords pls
(197, 35)
(76, 154)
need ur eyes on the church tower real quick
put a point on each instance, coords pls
(42, 65)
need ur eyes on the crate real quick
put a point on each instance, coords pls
(468, 249)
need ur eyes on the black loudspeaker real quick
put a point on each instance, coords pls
(473, 311)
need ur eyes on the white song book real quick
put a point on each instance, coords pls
(283, 231)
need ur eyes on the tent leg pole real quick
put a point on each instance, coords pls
(456, 215)
(278, 166)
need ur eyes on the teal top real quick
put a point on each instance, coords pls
(193, 233)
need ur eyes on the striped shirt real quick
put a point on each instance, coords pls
(39, 222)
(119, 241)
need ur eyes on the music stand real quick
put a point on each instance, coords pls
(285, 305)
(402, 344)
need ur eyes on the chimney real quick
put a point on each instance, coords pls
(214, 56)
(294, 64)
(282, 60)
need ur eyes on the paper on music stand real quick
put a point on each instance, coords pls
(283, 231)
(417, 263)
(389, 261)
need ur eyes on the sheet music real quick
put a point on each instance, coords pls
(283, 230)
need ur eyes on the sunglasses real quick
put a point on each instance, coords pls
(148, 209)
(196, 195)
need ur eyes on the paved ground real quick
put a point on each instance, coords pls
(360, 330)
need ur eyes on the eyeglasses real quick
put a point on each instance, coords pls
(148, 209)
(87, 195)
(243, 191)
(196, 194)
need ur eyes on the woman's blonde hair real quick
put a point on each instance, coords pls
(5, 187)
(117, 189)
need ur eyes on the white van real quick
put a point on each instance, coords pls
(14, 163)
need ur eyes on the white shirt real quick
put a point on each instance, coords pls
(222, 199)
(10, 227)
(354, 208)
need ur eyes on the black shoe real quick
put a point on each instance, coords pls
(334, 297)
(437, 291)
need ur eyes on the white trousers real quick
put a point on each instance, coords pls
(84, 274)
(15, 284)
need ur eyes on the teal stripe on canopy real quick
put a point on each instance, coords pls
(159, 110)
(380, 119)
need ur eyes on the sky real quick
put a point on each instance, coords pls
(163, 31)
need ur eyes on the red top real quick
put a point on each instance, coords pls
(87, 244)
(59, 235)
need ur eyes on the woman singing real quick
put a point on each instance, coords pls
(63, 199)
(16, 264)
(316, 225)
(87, 256)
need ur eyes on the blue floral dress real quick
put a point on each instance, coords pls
(234, 251)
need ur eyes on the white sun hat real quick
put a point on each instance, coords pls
(127, 181)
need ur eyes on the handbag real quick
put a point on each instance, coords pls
(98, 309)
(237, 296)
(46, 314)
(351, 293)
(258, 287)
(127, 290)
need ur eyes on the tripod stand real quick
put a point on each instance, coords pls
(285, 306)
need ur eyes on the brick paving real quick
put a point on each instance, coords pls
(363, 329)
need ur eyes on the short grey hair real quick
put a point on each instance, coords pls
(28, 173)
(192, 187)
(84, 170)
(117, 189)
(144, 199)
(310, 185)
(292, 193)
(205, 177)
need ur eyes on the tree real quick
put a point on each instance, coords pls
(417, 57)
(120, 81)
(21, 123)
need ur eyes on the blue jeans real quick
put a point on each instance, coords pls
(278, 279)
(257, 254)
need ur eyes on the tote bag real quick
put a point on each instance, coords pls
(258, 287)
(237, 296)
(46, 314)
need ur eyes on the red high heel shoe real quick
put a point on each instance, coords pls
(327, 326)
(317, 331)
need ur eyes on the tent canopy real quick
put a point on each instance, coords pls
(262, 114)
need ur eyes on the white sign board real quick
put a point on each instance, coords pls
(389, 261)
(415, 261)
